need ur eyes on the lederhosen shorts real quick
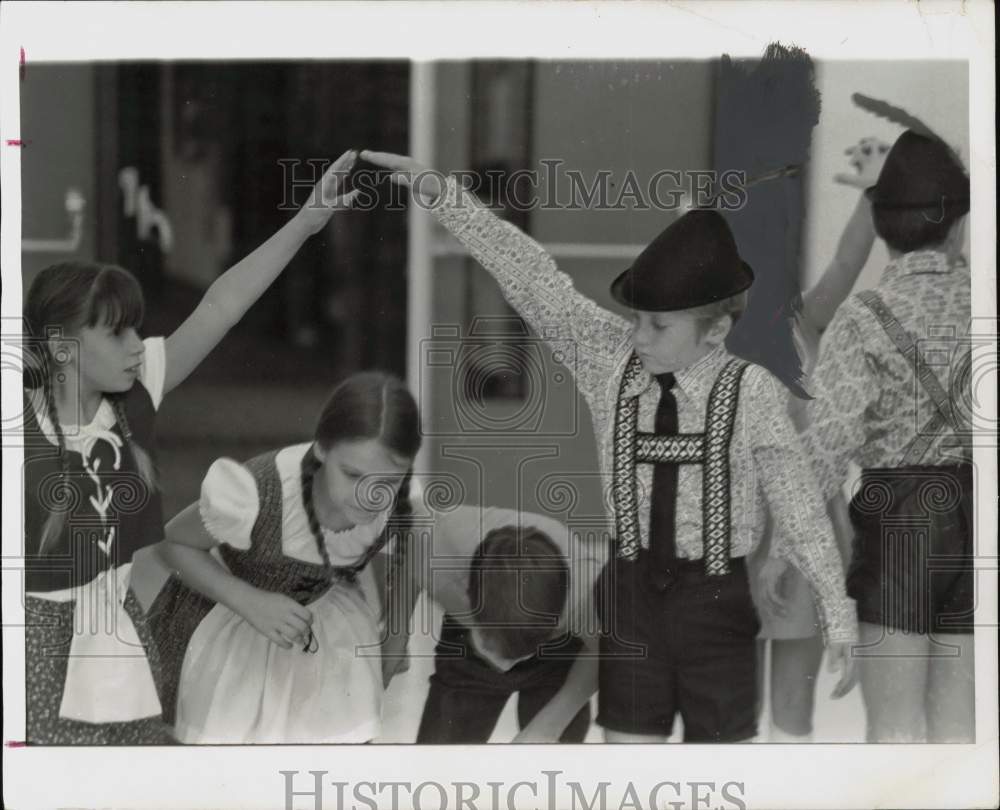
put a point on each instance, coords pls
(689, 649)
(912, 564)
(684, 644)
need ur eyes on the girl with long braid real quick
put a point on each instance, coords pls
(269, 631)
(91, 497)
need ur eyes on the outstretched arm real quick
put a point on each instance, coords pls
(526, 273)
(821, 301)
(233, 293)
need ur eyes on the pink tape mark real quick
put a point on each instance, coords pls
(22, 65)
(16, 744)
(17, 142)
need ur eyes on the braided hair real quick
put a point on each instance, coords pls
(63, 299)
(372, 405)
(53, 526)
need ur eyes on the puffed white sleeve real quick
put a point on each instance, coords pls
(229, 503)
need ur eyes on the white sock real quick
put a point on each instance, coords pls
(777, 735)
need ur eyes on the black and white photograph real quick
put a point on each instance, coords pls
(494, 405)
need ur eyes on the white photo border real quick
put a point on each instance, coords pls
(843, 776)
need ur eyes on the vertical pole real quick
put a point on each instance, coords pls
(420, 261)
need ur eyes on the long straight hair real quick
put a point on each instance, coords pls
(65, 298)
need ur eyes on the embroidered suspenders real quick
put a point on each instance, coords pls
(944, 413)
(710, 449)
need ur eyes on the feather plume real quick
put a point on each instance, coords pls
(897, 115)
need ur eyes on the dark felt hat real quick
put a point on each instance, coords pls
(693, 262)
(920, 172)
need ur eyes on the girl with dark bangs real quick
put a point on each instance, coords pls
(91, 499)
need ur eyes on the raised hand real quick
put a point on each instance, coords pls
(425, 182)
(866, 158)
(325, 197)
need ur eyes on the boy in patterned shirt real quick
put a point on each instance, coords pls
(892, 396)
(699, 448)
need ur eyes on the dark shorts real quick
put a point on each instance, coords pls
(689, 650)
(467, 695)
(912, 564)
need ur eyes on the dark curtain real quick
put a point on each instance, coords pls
(347, 289)
(129, 123)
(765, 113)
(341, 303)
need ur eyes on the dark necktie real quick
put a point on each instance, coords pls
(663, 508)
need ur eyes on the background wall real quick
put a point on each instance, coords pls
(60, 155)
(614, 116)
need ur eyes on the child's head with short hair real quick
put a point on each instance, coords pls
(906, 231)
(518, 584)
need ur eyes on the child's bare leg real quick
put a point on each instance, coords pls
(794, 665)
(893, 668)
(951, 700)
(624, 737)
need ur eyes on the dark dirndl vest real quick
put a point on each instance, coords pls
(178, 610)
(710, 449)
(135, 510)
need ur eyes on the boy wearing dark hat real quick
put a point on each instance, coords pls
(892, 396)
(699, 448)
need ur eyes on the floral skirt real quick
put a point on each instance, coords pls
(49, 635)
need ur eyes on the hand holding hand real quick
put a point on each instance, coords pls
(325, 197)
(866, 157)
(426, 183)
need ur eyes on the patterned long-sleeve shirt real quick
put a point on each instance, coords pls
(868, 405)
(769, 470)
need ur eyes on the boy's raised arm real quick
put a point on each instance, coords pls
(527, 274)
